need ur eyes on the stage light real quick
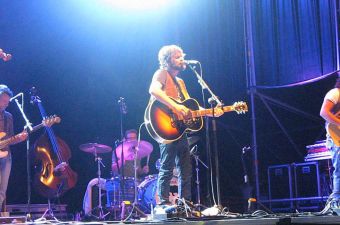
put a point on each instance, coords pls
(137, 5)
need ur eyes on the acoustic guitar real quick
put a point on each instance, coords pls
(47, 122)
(165, 126)
(334, 131)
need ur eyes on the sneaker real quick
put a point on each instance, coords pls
(159, 209)
(332, 207)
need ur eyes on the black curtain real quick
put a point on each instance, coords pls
(294, 41)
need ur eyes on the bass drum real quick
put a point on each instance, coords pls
(114, 191)
(147, 192)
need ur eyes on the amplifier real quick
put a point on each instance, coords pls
(307, 179)
(280, 187)
(280, 182)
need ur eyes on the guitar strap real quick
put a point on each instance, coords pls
(178, 87)
(5, 122)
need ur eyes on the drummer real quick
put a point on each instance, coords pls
(130, 136)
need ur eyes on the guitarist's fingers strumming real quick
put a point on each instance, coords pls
(182, 110)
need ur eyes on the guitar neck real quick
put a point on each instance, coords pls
(204, 112)
(35, 128)
(12, 139)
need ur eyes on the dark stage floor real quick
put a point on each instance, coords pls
(284, 219)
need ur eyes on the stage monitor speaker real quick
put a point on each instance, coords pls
(280, 182)
(307, 179)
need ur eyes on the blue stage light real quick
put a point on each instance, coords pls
(138, 5)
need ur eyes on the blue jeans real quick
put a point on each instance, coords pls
(5, 170)
(335, 152)
(176, 153)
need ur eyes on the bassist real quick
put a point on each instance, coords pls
(164, 86)
(6, 126)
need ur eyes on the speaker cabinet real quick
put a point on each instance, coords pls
(307, 180)
(280, 182)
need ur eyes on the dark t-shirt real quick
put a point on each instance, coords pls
(6, 125)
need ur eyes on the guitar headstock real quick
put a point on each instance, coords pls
(49, 121)
(240, 107)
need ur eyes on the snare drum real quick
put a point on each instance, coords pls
(147, 192)
(115, 193)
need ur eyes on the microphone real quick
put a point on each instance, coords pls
(122, 104)
(19, 94)
(191, 62)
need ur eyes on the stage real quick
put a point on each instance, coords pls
(268, 220)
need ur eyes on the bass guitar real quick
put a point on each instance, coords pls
(165, 126)
(334, 131)
(47, 122)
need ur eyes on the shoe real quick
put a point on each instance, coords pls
(170, 209)
(159, 209)
(332, 207)
(159, 213)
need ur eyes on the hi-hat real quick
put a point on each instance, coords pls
(95, 148)
(143, 149)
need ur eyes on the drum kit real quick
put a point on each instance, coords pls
(122, 189)
(119, 189)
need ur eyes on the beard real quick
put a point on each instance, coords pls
(179, 67)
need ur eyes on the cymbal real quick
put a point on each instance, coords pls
(128, 147)
(193, 140)
(95, 148)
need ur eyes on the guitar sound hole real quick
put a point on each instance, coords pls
(189, 122)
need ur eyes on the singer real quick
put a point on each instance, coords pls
(165, 84)
(6, 126)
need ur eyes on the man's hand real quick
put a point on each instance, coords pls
(182, 110)
(22, 136)
(218, 111)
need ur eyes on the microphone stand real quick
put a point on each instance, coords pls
(28, 165)
(204, 85)
(194, 153)
(213, 99)
(123, 110)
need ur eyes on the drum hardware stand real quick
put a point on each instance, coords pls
(135, 208)
(48, 211)
(194, 153)
(101, 215)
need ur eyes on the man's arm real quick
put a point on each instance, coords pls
(156, 91)
(20, 137)
(326, 112)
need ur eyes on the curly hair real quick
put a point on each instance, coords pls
(165, 53)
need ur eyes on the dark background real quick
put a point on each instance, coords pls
(82, 56)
